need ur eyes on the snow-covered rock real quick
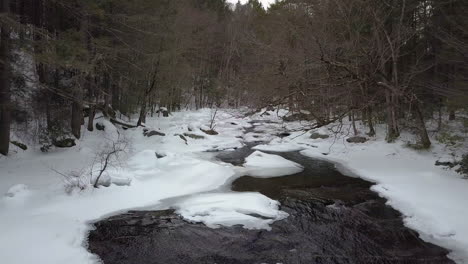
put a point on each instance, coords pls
(260, 164)
(228, 209)
(18, 190)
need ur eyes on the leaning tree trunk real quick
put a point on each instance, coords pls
(424, 137)
(5, 104)
(142, 117)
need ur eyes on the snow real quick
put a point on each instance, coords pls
(37, 213)
(18, 190)
(228, 209)
(260, 164)
(53, 224)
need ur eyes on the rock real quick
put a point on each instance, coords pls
(284, 134)
(316, 135)
(46, 147)
(153, 133)
(445, 163)
(194, 136)
(159, 156)
(234, 124)
(65, 143)
(356, 139)
(19, 145)
(184, 139)
(17, 190)
(100, 126)
(164, 111)
(209, 132)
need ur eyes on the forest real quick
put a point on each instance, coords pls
(394, 62)
(234, 131)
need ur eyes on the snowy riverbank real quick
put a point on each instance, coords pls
(52, 224)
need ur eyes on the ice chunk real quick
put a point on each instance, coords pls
(251, 210)
(260, 164)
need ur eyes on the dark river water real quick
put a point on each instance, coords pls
(332, 219)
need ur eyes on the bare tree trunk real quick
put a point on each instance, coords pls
(392, 133)
(425, 141)
(452, 115)
(353, 119)
(439, 121)
(142, 117)
(77, 112)
(370, 123)
(93, 94)
(5, 104)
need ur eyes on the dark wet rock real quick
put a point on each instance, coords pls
(194, 136)
(445, 163)
(209, 131)
(183, 138)
(316, 135)
(159, 156)
(64, 143)
(19, 145)
(100, 126)
(284, 134)
(153, 133)
(234, 124)
(356, 139)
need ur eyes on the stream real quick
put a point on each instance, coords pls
(332, 219)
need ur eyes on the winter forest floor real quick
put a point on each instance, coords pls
(45, 216)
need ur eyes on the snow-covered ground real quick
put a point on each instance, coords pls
(38, 214)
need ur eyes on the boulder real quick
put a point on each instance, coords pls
(356, 139)
(64, 143)
(316, 135)
(194, 136)
(164, 111)
(159, 156)
(153, 133)
(100, 126)
(445, 163)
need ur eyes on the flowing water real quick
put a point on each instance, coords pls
(332, 219)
